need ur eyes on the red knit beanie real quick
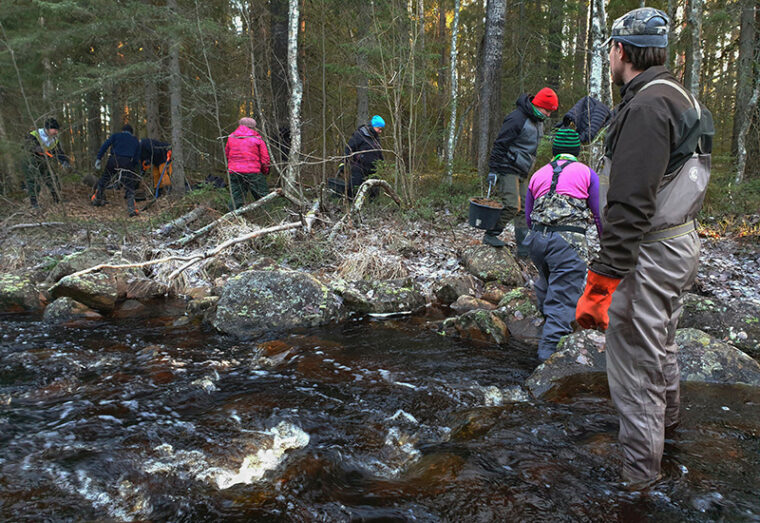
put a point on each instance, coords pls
(546, 99)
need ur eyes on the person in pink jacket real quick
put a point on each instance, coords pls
(247, 162)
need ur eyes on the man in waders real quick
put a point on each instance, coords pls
(562, 197)
(658, 160)
(512, 157)
(43, 146)
(156, 156)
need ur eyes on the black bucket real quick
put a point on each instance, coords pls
(483, 216)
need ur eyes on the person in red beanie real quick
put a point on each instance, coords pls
(512, 157)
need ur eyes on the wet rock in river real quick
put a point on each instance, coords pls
(523, 319)
(471, 303)
(18, 293)
(255, 302)
(579, 364)
(491, 264)
(450, 288)
(478, 325)
(495, 292)
(65, 310)
(382, 296)
(199, 307)
(737, 323)
(79, 261)
(99, 290)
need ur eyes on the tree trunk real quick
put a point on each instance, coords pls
(8, 178)
(694, 63)
(554, 42)
(94, 124)
(579, 65)
(279, 73)
(453, 97)
(175, 108)
(152, 118)
(362, 82)
(744, 75)
(117, 109)
(672, 6)
(291, 178)
(493, 45)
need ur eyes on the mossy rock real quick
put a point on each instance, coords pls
(478, 325)
(452, 287)
(79, 261)
(523, 319)
(98, 290)
(65, 310)
(492, 264)
(382, 296)
(254, 303)
(18, 294)
(737, 323)
(580, 364)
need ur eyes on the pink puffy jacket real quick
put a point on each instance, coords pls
(246, 152)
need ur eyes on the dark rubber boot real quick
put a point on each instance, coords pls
(492, 239)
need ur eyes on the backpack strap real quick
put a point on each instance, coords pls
(689, 97)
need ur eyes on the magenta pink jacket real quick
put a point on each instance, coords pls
(246, 152)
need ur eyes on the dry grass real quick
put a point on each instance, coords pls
(368, 263)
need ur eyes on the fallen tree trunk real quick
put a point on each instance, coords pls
(32, 225)
(361, 196)
(237, 212)
(306, 222)
(181, 222)
(234, 241)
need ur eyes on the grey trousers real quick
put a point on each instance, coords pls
(642, 369)
(562, 274)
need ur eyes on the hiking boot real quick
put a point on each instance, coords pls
(97, 202)
(133, 213)
(492, 240)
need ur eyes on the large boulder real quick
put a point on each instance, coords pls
(79, 261)
(523, 319)
(492, 264)
(382, 296)
(452, 287)
(99, 290)
(256, 302)
(579, 364)
(478, 325)
(66, 310)
(18, 293)
(737, 323)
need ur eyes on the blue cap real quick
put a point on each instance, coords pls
(377, 121)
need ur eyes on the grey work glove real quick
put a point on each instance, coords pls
(98, 164)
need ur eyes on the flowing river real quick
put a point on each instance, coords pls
(131, 419)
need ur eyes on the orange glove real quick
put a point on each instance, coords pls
(591, 311)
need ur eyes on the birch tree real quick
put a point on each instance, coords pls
(493, 45)
(291, 178)
(453, 97)
(695, 52)
(598, 80)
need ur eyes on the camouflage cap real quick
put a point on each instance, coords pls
(643, 27)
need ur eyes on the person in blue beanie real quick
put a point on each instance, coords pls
(363, 151)
(125, 155)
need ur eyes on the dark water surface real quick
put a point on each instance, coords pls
(374, 421)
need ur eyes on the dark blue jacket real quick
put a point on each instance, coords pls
(122, 144)
(589, 116)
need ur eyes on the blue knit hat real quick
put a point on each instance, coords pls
(377, 121)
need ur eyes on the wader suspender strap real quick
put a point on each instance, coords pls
(556, 170)
(692, 101)
(685, 228)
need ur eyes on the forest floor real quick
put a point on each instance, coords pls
(424, 241)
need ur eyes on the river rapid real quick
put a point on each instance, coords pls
(132, 419)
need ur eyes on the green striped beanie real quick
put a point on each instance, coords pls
(566, 141)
